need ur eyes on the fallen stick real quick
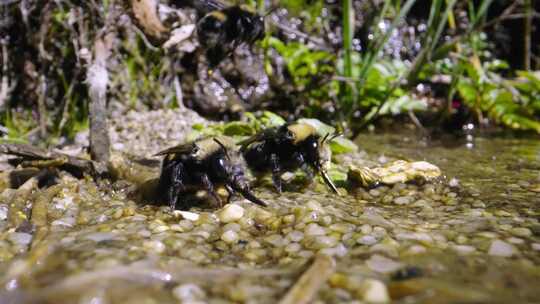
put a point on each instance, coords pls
(311, 281)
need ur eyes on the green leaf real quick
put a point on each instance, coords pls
(321, 127)
(270, 119)
(238, 128)
(342, 145)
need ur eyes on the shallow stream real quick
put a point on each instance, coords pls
(473, 237)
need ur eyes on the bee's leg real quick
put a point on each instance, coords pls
(276, 172)
(210, 188)
(300, 160)
(230, 190)
(176, 187)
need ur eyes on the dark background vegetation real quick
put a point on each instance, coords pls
(353, 64)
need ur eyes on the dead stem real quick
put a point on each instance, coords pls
(16, 214)
(311, 281)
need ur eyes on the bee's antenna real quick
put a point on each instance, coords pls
(324, 138)
(269, 12)
(337, 134)
(223, 147)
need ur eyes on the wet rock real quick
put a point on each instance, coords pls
(229, 236)
(374, 291)
(188, 293)
(383, 264)
(367, 240)
(501, 248)
(230, 213)
(20, 238)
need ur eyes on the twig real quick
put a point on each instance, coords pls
(40, 213)
(309, 283)
(144, 38)
(16, 215)
(97, 78)
(41, 105)
(145, 11)
(178, 91)
(147, 274)
(6, 87)
(28, 152)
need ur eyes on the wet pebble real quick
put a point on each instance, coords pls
(521, 232)
(3, 212)
(464, 249)
(154, 246)
(374, 291)
(403, 200)
(230, 213)
(501, 248)
(188, 293)
(313, 229)
(229, 236)
(20, 238)
(367, 240)
(382, 264)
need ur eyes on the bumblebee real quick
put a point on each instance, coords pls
(202, 164)
(222, 30)
(287, 148)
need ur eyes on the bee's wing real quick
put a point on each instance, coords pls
(255, 138)
(207, 6)
(179, 149)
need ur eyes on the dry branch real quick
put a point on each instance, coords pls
(98, 78)
(309, 283)
(145, 12)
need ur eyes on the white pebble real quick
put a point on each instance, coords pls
(402, 200)
(192, 216)
(229, 236)
(293, 247)
(188, 293)
(502, 249)
(295, 236)
(155, 246)
(367, 240)
(3, 212)
(20, 238)
(230, 213)
(536, 246)
(65, 222)
(382, 264)
(464, 249)
(314, 229)
(374, 291)
(100, 236)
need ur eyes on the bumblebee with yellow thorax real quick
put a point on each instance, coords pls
(202, 164)
(287, 148)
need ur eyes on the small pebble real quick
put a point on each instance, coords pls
(374, 291)
(3, 212)
(464, 249)
(188, 293)
(229, 236)
(521, 232)
(154, 246)
(402, 200)
(367, 240)
(230, 213)
(20, 238)
(313, 229)
(501, 248)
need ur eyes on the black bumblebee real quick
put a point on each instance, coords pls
(222, 30)
(203, 163)
(287, 148)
